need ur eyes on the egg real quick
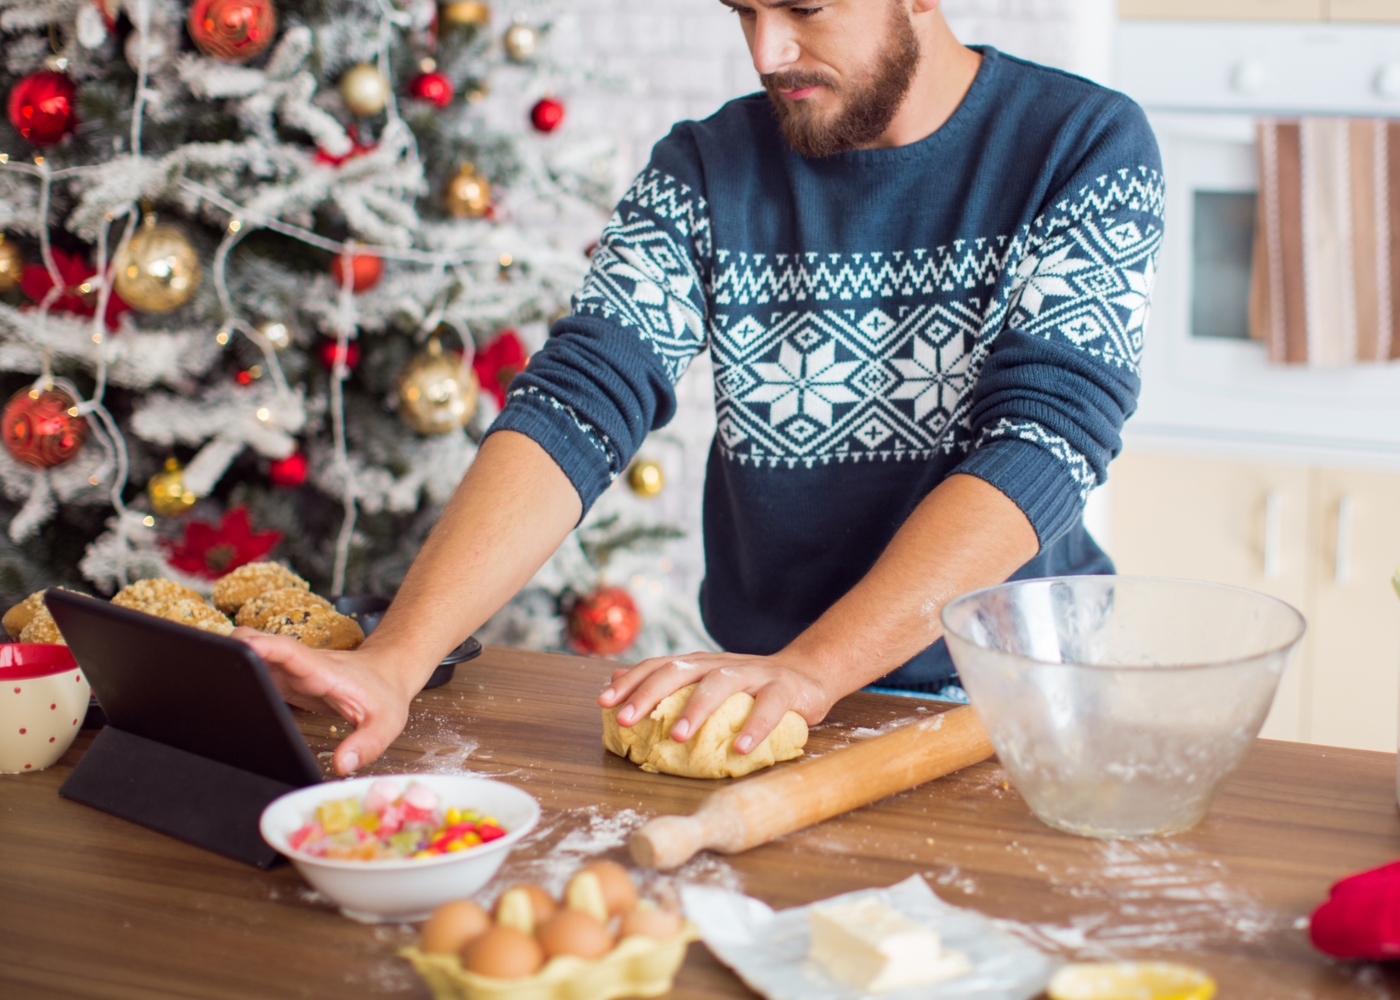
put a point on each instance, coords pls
(651, 921)
(524, 907)
(618, 891)
(451, 926)
(504, 953)
(573, 932)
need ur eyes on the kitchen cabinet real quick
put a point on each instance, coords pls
(1363, 10)
(1224, 10)
(1260, 10)
(1324, 540)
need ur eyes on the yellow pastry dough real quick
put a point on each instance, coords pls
(710, 752)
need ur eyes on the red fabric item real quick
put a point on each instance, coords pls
(1361, 918)
(35, 282)
(499, 362)
(211, 551)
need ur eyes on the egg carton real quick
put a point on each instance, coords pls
(637, 967)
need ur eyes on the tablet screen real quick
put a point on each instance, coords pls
(199, 692)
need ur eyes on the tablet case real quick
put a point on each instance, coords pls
(198, 740)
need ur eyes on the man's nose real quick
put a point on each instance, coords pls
(774, 45)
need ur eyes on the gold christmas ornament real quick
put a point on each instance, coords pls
(465, 12)
(436, 391)
(521, 42)
(364, 89)
(468, 194)
(169, 498)
(645, 478)
(276, 333)
(159, 270)
(11, 265)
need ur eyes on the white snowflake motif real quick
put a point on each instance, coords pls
(809, 384)
(933, 377)
(1138, 296)
(654, 287)
(1045, 278)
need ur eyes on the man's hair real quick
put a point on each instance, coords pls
(869, 105)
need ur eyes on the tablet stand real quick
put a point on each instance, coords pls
(198, 800)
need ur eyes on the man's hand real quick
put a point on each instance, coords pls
(776, 686)
(349, 684)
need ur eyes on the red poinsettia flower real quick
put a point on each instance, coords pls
(499, 362)
(77, 296)
(210, 551)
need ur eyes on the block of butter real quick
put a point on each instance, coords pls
(875, 948)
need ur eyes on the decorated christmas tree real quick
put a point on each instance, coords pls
(267, 268)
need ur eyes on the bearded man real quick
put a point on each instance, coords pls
(922, 271)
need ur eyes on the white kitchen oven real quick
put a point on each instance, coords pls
(1203, 85)
(1284, 479)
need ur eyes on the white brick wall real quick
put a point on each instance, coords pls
(688, 57)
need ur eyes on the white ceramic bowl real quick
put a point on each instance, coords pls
(408, 890)
(43, 698)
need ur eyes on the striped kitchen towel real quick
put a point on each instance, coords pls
(1327, 242)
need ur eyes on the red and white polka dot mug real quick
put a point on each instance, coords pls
(43, 698)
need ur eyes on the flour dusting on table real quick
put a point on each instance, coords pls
(1150, 895)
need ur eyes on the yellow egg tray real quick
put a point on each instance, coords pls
(637, 967)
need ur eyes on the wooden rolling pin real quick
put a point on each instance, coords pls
(753, 812)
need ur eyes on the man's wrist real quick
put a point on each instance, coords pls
(406, 670)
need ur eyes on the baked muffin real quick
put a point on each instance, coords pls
(237, 588)
(42, 628)
(317, 627)
(22, 613)
(197, 614)
(256, 612)
(155, 595)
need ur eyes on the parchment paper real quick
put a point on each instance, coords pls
(768, 949)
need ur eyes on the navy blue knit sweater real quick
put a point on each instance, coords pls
(879, 320)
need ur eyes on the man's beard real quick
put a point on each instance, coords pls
(868, 108)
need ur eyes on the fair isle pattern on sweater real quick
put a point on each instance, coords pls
(829, 357)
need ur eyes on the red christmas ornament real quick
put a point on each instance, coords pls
(434, 88)
(1361, 918)
(547, 114)
(42, 428)
(289, 471)
(363, 274)
(41, 107)
(327, 349)
(232, 30)
(499, 362)
(210, 551)
(356, 149)
(78, 295)
(605, 622)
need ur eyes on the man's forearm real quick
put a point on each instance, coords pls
(964, 535)
(508, 515)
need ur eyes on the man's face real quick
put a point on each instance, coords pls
(836, 70)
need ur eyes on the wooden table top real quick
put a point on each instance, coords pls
(91, 906)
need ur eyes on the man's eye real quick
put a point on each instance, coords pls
(805, 11)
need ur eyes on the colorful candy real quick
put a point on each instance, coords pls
(392, 823)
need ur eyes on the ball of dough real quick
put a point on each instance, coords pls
(709, 753)
(236, 588)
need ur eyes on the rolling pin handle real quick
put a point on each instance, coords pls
(667, 842)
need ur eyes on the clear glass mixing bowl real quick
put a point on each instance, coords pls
(1119, 705)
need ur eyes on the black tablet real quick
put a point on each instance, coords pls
(195, 691)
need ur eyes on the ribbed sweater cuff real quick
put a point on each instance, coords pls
(1034, 480)
(551, 426)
